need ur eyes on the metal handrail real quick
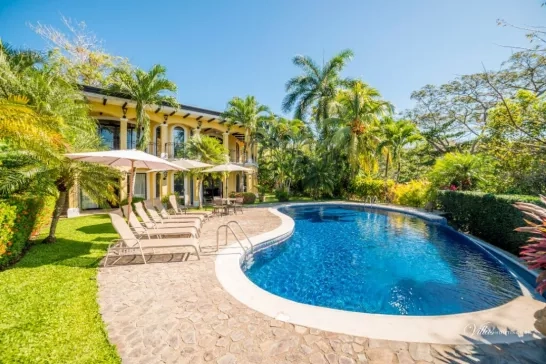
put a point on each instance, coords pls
(244, 233)
(236, 238)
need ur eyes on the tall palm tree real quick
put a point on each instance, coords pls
(248, 113)
(359, 111)
(395, 136)
(207, 150)
(315, 89)
(146, 89)
(42, 116)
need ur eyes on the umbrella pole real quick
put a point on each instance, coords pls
(130, 190)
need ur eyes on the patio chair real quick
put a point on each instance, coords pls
(184, 210)
(156, 203)
(218, 206)
(129, 244)
(237, 204)
(141, 230)
(157, 222)
(166, 218)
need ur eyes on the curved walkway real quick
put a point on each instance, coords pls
(176, 311)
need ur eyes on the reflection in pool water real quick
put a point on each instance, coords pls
(357, 259)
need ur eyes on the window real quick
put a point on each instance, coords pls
(131, 137)
(109, 133)
(140, 185)
(178, 142)
(179, 183)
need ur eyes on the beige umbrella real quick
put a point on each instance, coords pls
(226, 168)
(126, 158)
(190, 163)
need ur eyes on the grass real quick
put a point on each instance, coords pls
(270, 198)
(48, 300)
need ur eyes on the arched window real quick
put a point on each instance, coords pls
(237, 151)
(177, 150)
(238, 183)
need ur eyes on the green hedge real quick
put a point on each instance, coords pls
(282, 195)
(248, 197)
(362, 187)
(21, 219)
(492, 218)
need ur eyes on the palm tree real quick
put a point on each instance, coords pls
(146, 89)
(395, 136)
(316, 88)
(207, 150)
(248, 113)
(42, 116)
(319, 178)
(359, 111)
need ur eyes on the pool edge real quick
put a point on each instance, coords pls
(515, 316)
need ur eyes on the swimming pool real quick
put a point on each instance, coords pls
(374, 261)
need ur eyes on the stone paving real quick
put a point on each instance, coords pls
(174, 310)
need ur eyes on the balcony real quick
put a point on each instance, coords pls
(175, 150)
(154, 149)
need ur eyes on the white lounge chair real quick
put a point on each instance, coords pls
(129, 244)
(184, 211)
(157, 221)
(166, 218)
(165, 214)
(142, 230)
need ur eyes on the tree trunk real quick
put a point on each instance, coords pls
(387, 167)
(398, 171)
(59, 204)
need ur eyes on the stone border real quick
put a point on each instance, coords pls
(513, 321)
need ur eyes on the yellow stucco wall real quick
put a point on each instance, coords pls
(115, 113)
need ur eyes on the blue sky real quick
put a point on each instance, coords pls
(215, 50)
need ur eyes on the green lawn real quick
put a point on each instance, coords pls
(270, 198)
(48, 300)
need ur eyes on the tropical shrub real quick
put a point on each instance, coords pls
(363, 186)
(492, 218)
(461, 171)
(534, 253)
(282, 195)
(21, 218)
(248, 197)
(413, 193)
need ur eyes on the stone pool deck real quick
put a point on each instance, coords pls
(174, 310)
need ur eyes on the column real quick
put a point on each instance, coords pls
(249, 187)
(226, 144)
(164, 139)
(123, 133)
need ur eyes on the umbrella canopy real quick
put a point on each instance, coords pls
(228, 167)
(190, 163)
(126, 158)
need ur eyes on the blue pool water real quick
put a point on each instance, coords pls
(374, 261)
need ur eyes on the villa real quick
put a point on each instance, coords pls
(170, 129)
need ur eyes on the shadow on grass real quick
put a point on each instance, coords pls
(81, 242)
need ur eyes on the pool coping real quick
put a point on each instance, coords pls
(511, 322)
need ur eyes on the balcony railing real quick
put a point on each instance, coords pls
(154, 149)
(175, 150)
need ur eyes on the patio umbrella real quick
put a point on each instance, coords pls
(190, 163)
(226, 168)
(126, 158)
